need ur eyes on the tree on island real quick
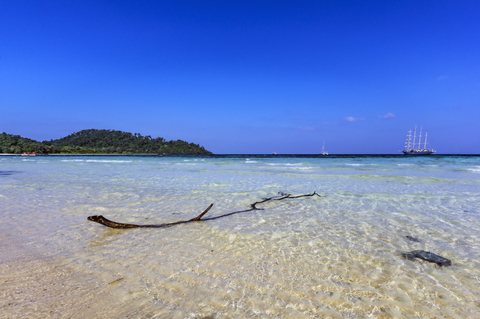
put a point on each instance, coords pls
(15, 144)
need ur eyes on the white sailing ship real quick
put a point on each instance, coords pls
(410, 145)
(323, 149)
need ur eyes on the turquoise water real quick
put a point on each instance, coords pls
(336, 256)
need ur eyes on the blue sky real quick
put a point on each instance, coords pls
(245, 76)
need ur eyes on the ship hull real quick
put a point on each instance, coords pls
(418, 152)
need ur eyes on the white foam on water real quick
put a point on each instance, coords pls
(284, 164)
(107, 161)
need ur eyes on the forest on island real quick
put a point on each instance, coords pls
(95, 141)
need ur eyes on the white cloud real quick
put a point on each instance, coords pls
(354, 119)
(387, 116)
(442, 77)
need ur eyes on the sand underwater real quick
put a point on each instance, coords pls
(337, 256)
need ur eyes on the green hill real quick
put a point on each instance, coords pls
(100, 142)
(16, 144)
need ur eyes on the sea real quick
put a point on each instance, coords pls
(337, 255)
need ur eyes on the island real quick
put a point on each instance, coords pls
(94, 141)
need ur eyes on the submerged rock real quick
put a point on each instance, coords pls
(428, 256)
(413, 239)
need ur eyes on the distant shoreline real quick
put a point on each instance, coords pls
(93, 154)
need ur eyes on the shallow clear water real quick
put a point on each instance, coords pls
(336, 256)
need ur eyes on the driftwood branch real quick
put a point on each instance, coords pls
(201, 215)
(281, 196)
(106, 222)
(102, 220)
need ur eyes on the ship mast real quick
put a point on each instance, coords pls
(414, 133)
(420, 138)
(409, 138)
(426, 139)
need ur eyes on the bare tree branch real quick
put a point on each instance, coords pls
(106, 222)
